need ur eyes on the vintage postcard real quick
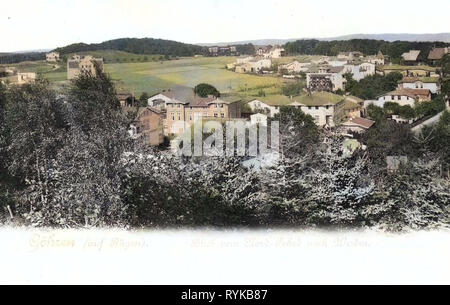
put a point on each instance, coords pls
(225, 142)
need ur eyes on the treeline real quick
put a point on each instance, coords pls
(138, 46)
(367, 46)
(13, 58)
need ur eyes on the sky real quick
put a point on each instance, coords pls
(47, 24)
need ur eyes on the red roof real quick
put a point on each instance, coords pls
(362, 122)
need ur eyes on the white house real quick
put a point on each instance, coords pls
(360, 71)
(259, 105)
(430, 83)
(400, 96)
(322, 106)
(52, 56)
(159, 101)
(337, 63)
(254, 66)
(326, 79)
(258, 118)
(295, 67)
(276, 52)
(243, 60)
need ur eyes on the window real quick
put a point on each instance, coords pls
(179, 117)
(222, 115)
(221, 105)
(317, 107)
(173, 116)
(327, 107)
(215, 115)
(215, 105)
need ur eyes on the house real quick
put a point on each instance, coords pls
(352, 107)
(148, 126)
(78, 65)
(322, 60)
(52, 57)
(183, 107)
(25, 78)
(360, 71)
(258, 118)
(430, 83)
(324, 107)
(350, 55)
(295, 67)
(409, 71)
(378, 60)
(404, 97)
(437, 54)
(223, 51)
(125, 99)
(261, 50)
(411, 57)
(254, 66)
(326, 79)
(269, 105)
(357, 124)
(244, 60)
(276, 52)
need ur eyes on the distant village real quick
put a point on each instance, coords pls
(174, 110)
(322, 99)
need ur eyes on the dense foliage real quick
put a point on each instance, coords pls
(12, 58)
(372, 86)
(138, 46)
(71, 163)
(367, 46)
(203, 90)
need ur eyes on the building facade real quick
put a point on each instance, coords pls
(78, 65)
(52, 57)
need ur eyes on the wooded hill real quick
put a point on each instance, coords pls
(367, 46)
(138, 46)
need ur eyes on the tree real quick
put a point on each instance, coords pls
(293, 89)
(388, 139)
(143, 99)
(94, 101)
(203, 90)
(298, 131)
(415, 197)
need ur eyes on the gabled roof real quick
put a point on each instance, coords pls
(360, 122)
(319, 99)
(438, 53)
(274, 100)
(419, 79)
(412, 93)
(411, 55)
(354, 99)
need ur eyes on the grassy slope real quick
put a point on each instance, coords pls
(152, 77)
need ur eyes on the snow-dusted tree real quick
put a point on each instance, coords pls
(415, 197)
(337, 186)
(35, 124)
(81, 185)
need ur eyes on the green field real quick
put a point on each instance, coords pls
(153, 76)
